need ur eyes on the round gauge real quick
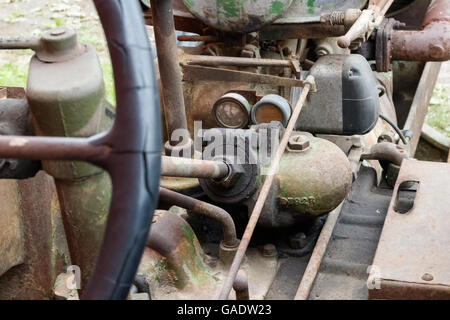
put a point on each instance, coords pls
(232, 111)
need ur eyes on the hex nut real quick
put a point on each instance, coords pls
(299, 143)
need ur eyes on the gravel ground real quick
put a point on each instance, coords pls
(27, 18)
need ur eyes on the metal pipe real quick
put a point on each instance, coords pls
(193, 168)
(240, 286)
(316, 257)
(206, 209)
(169, 68)
(432, 43)
(265, 189)
(19, 43)
(52, 148)
(214, 61)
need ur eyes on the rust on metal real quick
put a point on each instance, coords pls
(316, 257)
(432, 43)
(192, 168)
(386, 151)
(419, 107)
(199, 73)
(412, 256)
(214, 61)
(169, 69)
(264, 192)
(200, 207)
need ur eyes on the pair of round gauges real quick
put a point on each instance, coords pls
(234, 111)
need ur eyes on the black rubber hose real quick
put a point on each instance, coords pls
(396, 128)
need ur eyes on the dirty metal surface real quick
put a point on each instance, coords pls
(413, 253)
(343, 271)
(44, 242)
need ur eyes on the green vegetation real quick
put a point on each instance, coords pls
(439, 112)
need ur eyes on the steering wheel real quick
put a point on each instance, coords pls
(130, 152)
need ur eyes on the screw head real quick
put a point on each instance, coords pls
(269, 250)
(298, 143)
(58, 32)
(427, 277)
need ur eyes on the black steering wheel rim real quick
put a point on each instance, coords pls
(134, 162)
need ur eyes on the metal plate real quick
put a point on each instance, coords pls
(412, 260)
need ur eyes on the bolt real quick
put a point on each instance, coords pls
(269, 250)
(58, 32)
(427, 277)
(298, 241)
(298, 143)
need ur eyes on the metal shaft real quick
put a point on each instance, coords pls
(240, 254)
(214, 61)
(169, 68)
(316, 258)
(192, 168)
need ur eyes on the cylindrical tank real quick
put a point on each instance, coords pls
(309, 183)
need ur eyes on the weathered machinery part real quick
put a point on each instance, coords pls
(317, 255)
(175, 265)
(264, 191)
(232, 110)
(241, 181)
(436, 138)
(306, 194)
(386, 151)
(135, 139)
(15, 120)
(240, 286)
(185, 167)
(369, 19)
(38, 247)
(170, 73)
(56, 45)
(412, 14)
(432, 43)
(328, 46)
(304, 11)
(271, 108)
(339, 266)
(215, 61)
(383, 44)
(425, 252)
(84, 190)
(172, 238)
(230, 242)
(356, 112)
(237, 16)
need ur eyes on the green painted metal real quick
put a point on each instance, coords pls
(68, 99)
(237, 15)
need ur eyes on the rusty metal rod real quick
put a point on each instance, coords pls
(214, 61)
(431, 43)
(52, 148)
(240, 254)
(193, 168)
(19, 43)
(198, 38)
(316, 257)
(200, 207)
(169, 68)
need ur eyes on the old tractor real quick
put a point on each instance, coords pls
(266, 153)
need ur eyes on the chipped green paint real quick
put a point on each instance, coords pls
(276, 8)
(188, 3)
(229, 8)
(311, 8)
